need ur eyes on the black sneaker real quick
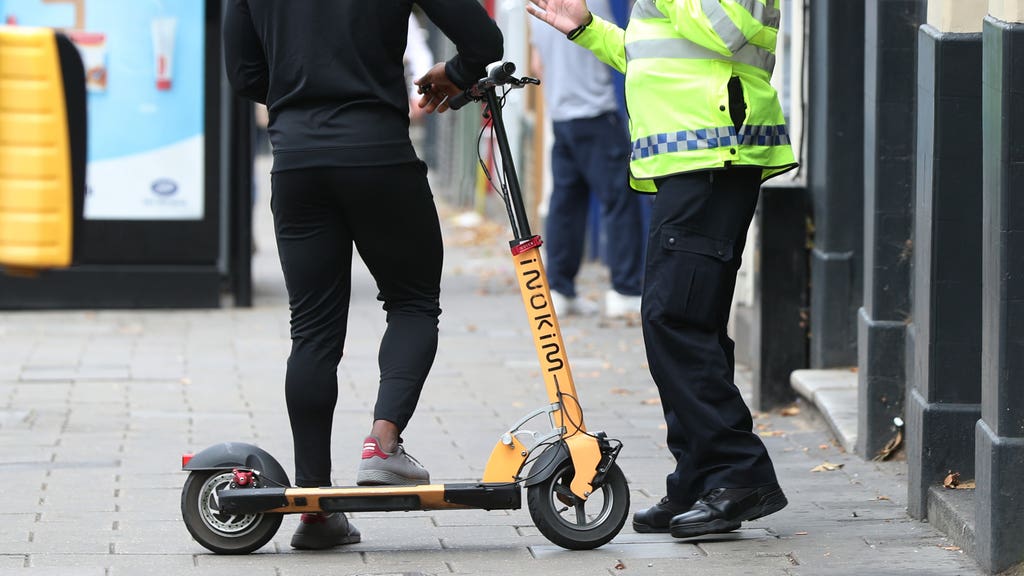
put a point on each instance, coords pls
(656, 519)
(321, 531)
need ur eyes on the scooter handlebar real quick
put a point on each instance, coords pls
(498, 73)
(460, 99)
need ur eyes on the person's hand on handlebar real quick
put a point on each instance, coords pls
(436, 89)
(563, 15)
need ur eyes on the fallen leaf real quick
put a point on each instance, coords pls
(800, 533)
(771, 433)
(891, 447)
(951, 548)
(470, 328)
(789, 411)
(883, 498)
(652, 401)
(968, 485)
(621, 391)
(620, 566)
(826, 467)
(662, 426)
(952, 480)
(823, 446)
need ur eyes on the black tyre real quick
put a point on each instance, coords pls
(577, 524)
(217, 531)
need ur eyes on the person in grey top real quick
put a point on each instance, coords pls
(590, 155)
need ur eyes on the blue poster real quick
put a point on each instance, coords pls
(144, 62)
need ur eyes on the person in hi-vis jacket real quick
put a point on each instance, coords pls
(707, 129)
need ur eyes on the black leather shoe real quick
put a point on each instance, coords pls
(723, 509)
(657, 517)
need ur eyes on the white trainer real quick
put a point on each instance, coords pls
(620, 305)
(566, 306)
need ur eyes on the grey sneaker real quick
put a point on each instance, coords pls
(380, 468)
(321, 531)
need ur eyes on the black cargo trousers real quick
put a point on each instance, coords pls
(388, 214)
(698, 229)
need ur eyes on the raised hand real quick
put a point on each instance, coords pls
(563, 15)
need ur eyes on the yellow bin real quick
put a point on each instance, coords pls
(36, 189)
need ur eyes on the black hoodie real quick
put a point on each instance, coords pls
(331, 72)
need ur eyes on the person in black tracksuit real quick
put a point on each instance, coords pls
(345, 173)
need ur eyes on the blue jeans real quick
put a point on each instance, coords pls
(591, 155)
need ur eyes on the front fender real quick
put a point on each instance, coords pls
(546, 464)
(229, 455)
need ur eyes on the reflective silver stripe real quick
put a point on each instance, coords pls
(706, 139)
(762, 11)
(723, 25)
(683, 48)
(645, 9)
(767, 13)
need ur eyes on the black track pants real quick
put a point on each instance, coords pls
(388, 214)
(698, 229)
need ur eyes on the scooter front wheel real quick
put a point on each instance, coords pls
(220, 532)
(574, 523)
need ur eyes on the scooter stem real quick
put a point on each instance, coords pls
(514, 197)
(547, 336)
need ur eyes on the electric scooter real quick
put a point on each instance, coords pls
(236, 494)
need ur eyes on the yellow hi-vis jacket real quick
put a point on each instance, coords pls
(678, 57)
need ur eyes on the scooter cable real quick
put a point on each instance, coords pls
(578, 428)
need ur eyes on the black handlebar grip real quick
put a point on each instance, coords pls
(461, 99)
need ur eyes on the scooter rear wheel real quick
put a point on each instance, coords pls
(573, 523)
(219, 532)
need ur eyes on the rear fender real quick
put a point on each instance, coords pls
(228, 455)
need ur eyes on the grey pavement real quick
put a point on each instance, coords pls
(96, 409)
